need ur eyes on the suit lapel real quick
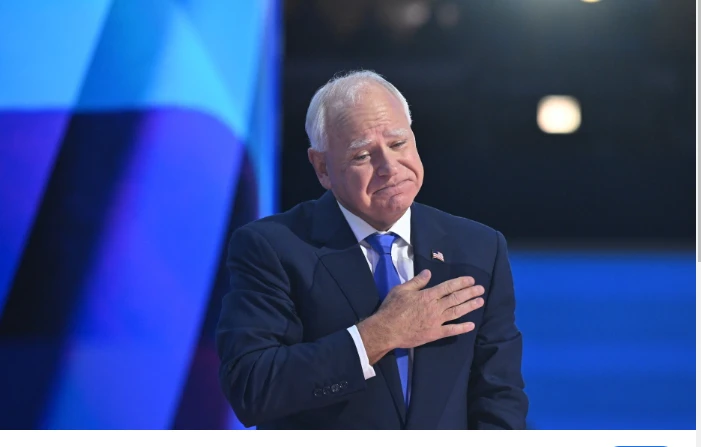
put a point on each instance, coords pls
(436, 364)
(340, 253)
(390, 371)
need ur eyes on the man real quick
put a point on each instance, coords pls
(363, 309)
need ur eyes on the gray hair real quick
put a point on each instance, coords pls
(340, 91)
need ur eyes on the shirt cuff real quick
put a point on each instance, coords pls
(368, 370)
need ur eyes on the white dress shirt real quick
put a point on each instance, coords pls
(403, 260)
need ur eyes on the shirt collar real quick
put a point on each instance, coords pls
(362, 229)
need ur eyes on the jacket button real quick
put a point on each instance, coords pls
(327, 390)
(317, 392)
(343, 384)
(335, 387)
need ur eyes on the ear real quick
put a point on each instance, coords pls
(318, 160)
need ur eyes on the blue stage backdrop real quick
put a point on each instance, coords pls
(134, 136)
(609, 337)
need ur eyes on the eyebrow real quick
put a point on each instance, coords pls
(357, 144)
(361, 142)
(401, 132)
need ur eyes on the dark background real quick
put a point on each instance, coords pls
(626, 177)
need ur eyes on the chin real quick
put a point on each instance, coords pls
(395, 205)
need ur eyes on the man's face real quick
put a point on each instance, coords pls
(371, 163)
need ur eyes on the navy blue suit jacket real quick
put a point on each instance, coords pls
(299, 280)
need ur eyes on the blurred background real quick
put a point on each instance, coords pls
(136, 135)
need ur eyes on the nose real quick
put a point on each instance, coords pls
(387, 164)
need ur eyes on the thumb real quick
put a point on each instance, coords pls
(419, 281)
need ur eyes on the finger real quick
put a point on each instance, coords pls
(452, 285)
(455, 312)
(449, 330)
(461, 296)
(419, 281)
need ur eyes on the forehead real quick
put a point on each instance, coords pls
(375, 109)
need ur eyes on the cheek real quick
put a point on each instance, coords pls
(418, 167)
(358, 180)
(413, 164)
(419, 170)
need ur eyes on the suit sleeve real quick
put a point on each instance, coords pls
(496, 398)
(266, 370)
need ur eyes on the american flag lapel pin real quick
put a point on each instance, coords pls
(435, 254)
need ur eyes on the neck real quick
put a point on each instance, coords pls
(379, 225)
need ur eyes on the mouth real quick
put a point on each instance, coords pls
(389, 187)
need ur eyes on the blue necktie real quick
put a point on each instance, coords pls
(386, 277)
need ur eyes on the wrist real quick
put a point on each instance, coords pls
(376, 337)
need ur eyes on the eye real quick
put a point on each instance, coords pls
(361, 157)
(398, 144)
